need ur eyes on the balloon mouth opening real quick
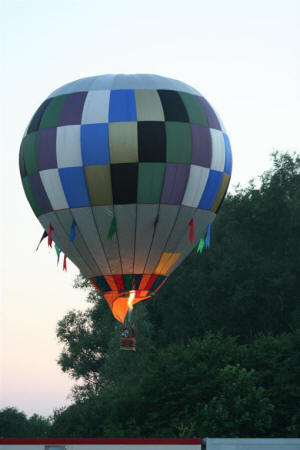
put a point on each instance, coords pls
(120, 303)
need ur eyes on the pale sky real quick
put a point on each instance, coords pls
(243, 56)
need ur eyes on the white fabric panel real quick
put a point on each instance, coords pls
(181, 227)
(121, 81)
(52, 185)
(146, 215)
(103, 216)
(83, 84)
(68, 148)
(201, 219)
(221, 122)
(61, 238)
(126, 222)
(96, 107)
(86, 224)
(166, 219)
(195, 185)
(218, 150)
(66, 219)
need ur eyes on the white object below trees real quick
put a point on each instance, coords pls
(251, 444)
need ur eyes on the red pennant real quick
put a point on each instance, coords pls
(65, 263)
(50, 229)
(191, 233)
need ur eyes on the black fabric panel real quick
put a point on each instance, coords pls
(22, 162)
(35, 121)
(152, 141)
(124, 182)
(173, 106)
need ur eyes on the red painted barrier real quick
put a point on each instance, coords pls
(96, 441)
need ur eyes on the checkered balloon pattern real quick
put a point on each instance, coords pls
(145, 152)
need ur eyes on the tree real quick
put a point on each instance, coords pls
(249, 280)
(217, 346)
(15, 424)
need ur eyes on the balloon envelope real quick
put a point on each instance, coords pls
(129, 170)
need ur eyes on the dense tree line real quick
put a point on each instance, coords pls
(15, 424)
(218, 347)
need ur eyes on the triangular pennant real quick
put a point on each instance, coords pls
(50, 229)
(201, 245)
(112, 228)
(72, 231)
(191, 232)
(58, 251)
(65, 263)
(45, 234)
(207, 237)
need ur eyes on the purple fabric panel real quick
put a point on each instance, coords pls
(71, 111)
(46, 149)
(212, 119)
(201, 146)
(39, 192)
(176, 178)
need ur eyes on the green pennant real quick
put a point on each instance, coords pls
(58, 250)
(201, 245)
(112, 228)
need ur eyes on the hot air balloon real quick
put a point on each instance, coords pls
(127, 172)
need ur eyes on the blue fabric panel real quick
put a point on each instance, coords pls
(94, 144)
(228, 155)
(122, 106)
(103, 284)
(73, 183)
(211, 189)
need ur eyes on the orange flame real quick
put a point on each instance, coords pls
(130, 300)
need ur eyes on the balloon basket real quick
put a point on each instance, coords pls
(128, 343)
(128, 340)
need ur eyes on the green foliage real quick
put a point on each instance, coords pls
(15, 424)
(249, 280)
(218, 348)
(239, 408)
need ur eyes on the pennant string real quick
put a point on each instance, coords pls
(191, 232)
(50, 229)
(112, 228)
(201, 245)
(207, 237)
(45, 234)
(65, 263)
(58, 251)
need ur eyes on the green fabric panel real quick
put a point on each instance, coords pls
(98, 182)
(101, 283)
(30, 152)
(150, 182)
(148, 105)
(31, 198)
(51, 114)
(157, 282)
(179, 142)
(194, 110)
(123, 142)
(127, 279)
(21, 161)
